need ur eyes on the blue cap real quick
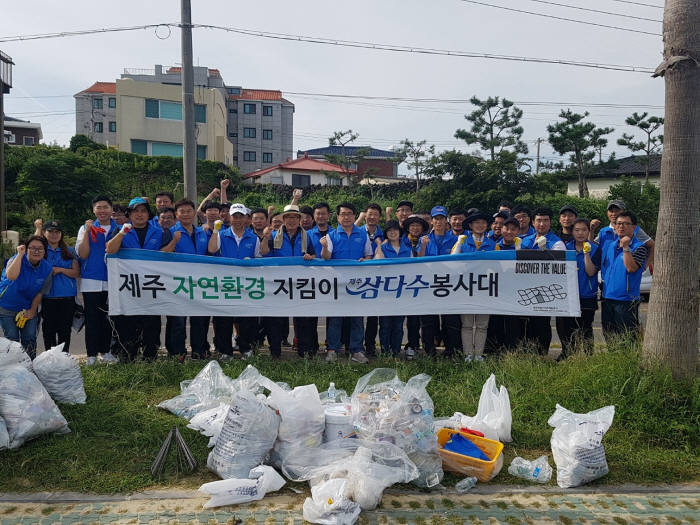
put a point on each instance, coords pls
(438, 210)
(136, 201)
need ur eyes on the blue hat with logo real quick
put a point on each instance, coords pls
(136, 201)
(438, 210)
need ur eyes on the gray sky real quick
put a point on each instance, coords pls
(48, 72)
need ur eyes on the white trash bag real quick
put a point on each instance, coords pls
(329, 506)
(4, 436)
(493, 416)
(209, 422)
(27, 407)
(246, 438)
(59, 372)
(577, 444)
(12, 353)
(263, 479)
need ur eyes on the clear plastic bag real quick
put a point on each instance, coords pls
(386, 409)
(209, 388)
(12, 353)
(59, 372)
(493, 416)
(4, 436)
(262, 479)
(537, 470)
(27, 407)
(302, 420)
(577, 444)
(329, 506)
(209, 422)
(246, 438)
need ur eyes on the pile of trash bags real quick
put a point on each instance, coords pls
(384, 433)
(29, 392)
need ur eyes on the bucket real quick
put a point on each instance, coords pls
(338, 422)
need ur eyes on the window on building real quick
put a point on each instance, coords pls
(97, 103)
(98, 127)
(267, 158)
(235, 158)
(232, 110)
(267, 111)
(10, 138)
(249, 109)
(170, 110)
(112, 102)
(112, 126)
(276, 179)
(267, 134)
(28, 141)
(201, 152)
(231, 135)
(139, 146)
(152, 108)
(301, 181)
(334, 181)
(166, 149)
(249, 133)
(249, 156)
(200, 113)
(234, 91)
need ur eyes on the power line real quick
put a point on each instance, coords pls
(422, 50)
(638, 3)
(623, 15)
(81, 32)
(544, 15)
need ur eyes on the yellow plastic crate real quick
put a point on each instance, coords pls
(482, 470)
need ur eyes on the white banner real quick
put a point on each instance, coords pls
(523, 282)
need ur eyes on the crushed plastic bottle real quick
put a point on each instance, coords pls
(538, 470)
(465, 485)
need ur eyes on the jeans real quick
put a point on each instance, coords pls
(98, 331)
(391, 333)
(175, 335)
(619, 317)
(26, 335)
(57, 317)
(334, 327)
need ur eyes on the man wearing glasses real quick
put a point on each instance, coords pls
(623, 263)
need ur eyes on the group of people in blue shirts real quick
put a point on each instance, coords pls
(43, 279)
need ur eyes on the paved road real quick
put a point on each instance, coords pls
(485, 505)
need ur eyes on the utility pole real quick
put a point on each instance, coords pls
(189, 147)
(537, 166)
(6, 64)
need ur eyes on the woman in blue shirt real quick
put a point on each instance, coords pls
(58, 305)
(23, 281)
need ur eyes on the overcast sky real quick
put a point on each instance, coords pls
(49, 72)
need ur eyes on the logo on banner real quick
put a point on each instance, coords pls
(541, 294)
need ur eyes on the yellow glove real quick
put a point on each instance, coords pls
(20, 320)
(586, 247)
(218, 224)
(518, 243)
(542, 242)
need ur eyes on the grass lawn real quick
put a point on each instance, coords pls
(654, 437)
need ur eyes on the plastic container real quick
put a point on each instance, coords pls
(465, 485)
(338, 422)
(482, 470)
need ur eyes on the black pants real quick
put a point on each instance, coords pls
(175, 328)
(539, 332)
(573, 330)
(223, 334)
(306, 334)
(504, 333)
(371, 328)
(57, 317)
(619, 318)
(98, 331)
(430, 327)
(136, 331)
(413, 329)
(199, 331)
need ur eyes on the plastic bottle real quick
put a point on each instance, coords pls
(465, 485)
(538, 470)
(331, 392)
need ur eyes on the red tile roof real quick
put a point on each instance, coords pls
(301, 164)
(257, 94)
(102, 87)
(178, 69)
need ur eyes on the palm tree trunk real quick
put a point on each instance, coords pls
(671, 335)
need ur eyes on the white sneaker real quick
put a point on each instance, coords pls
(91, 361)
(468, 358)
(248, 354)
(109, 358)
(225, 358)
(330, 356)
(359, 357)
(410, 353)
(478, 358)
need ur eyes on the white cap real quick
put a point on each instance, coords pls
(238, 208)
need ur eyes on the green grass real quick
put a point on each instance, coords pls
(117, 434)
